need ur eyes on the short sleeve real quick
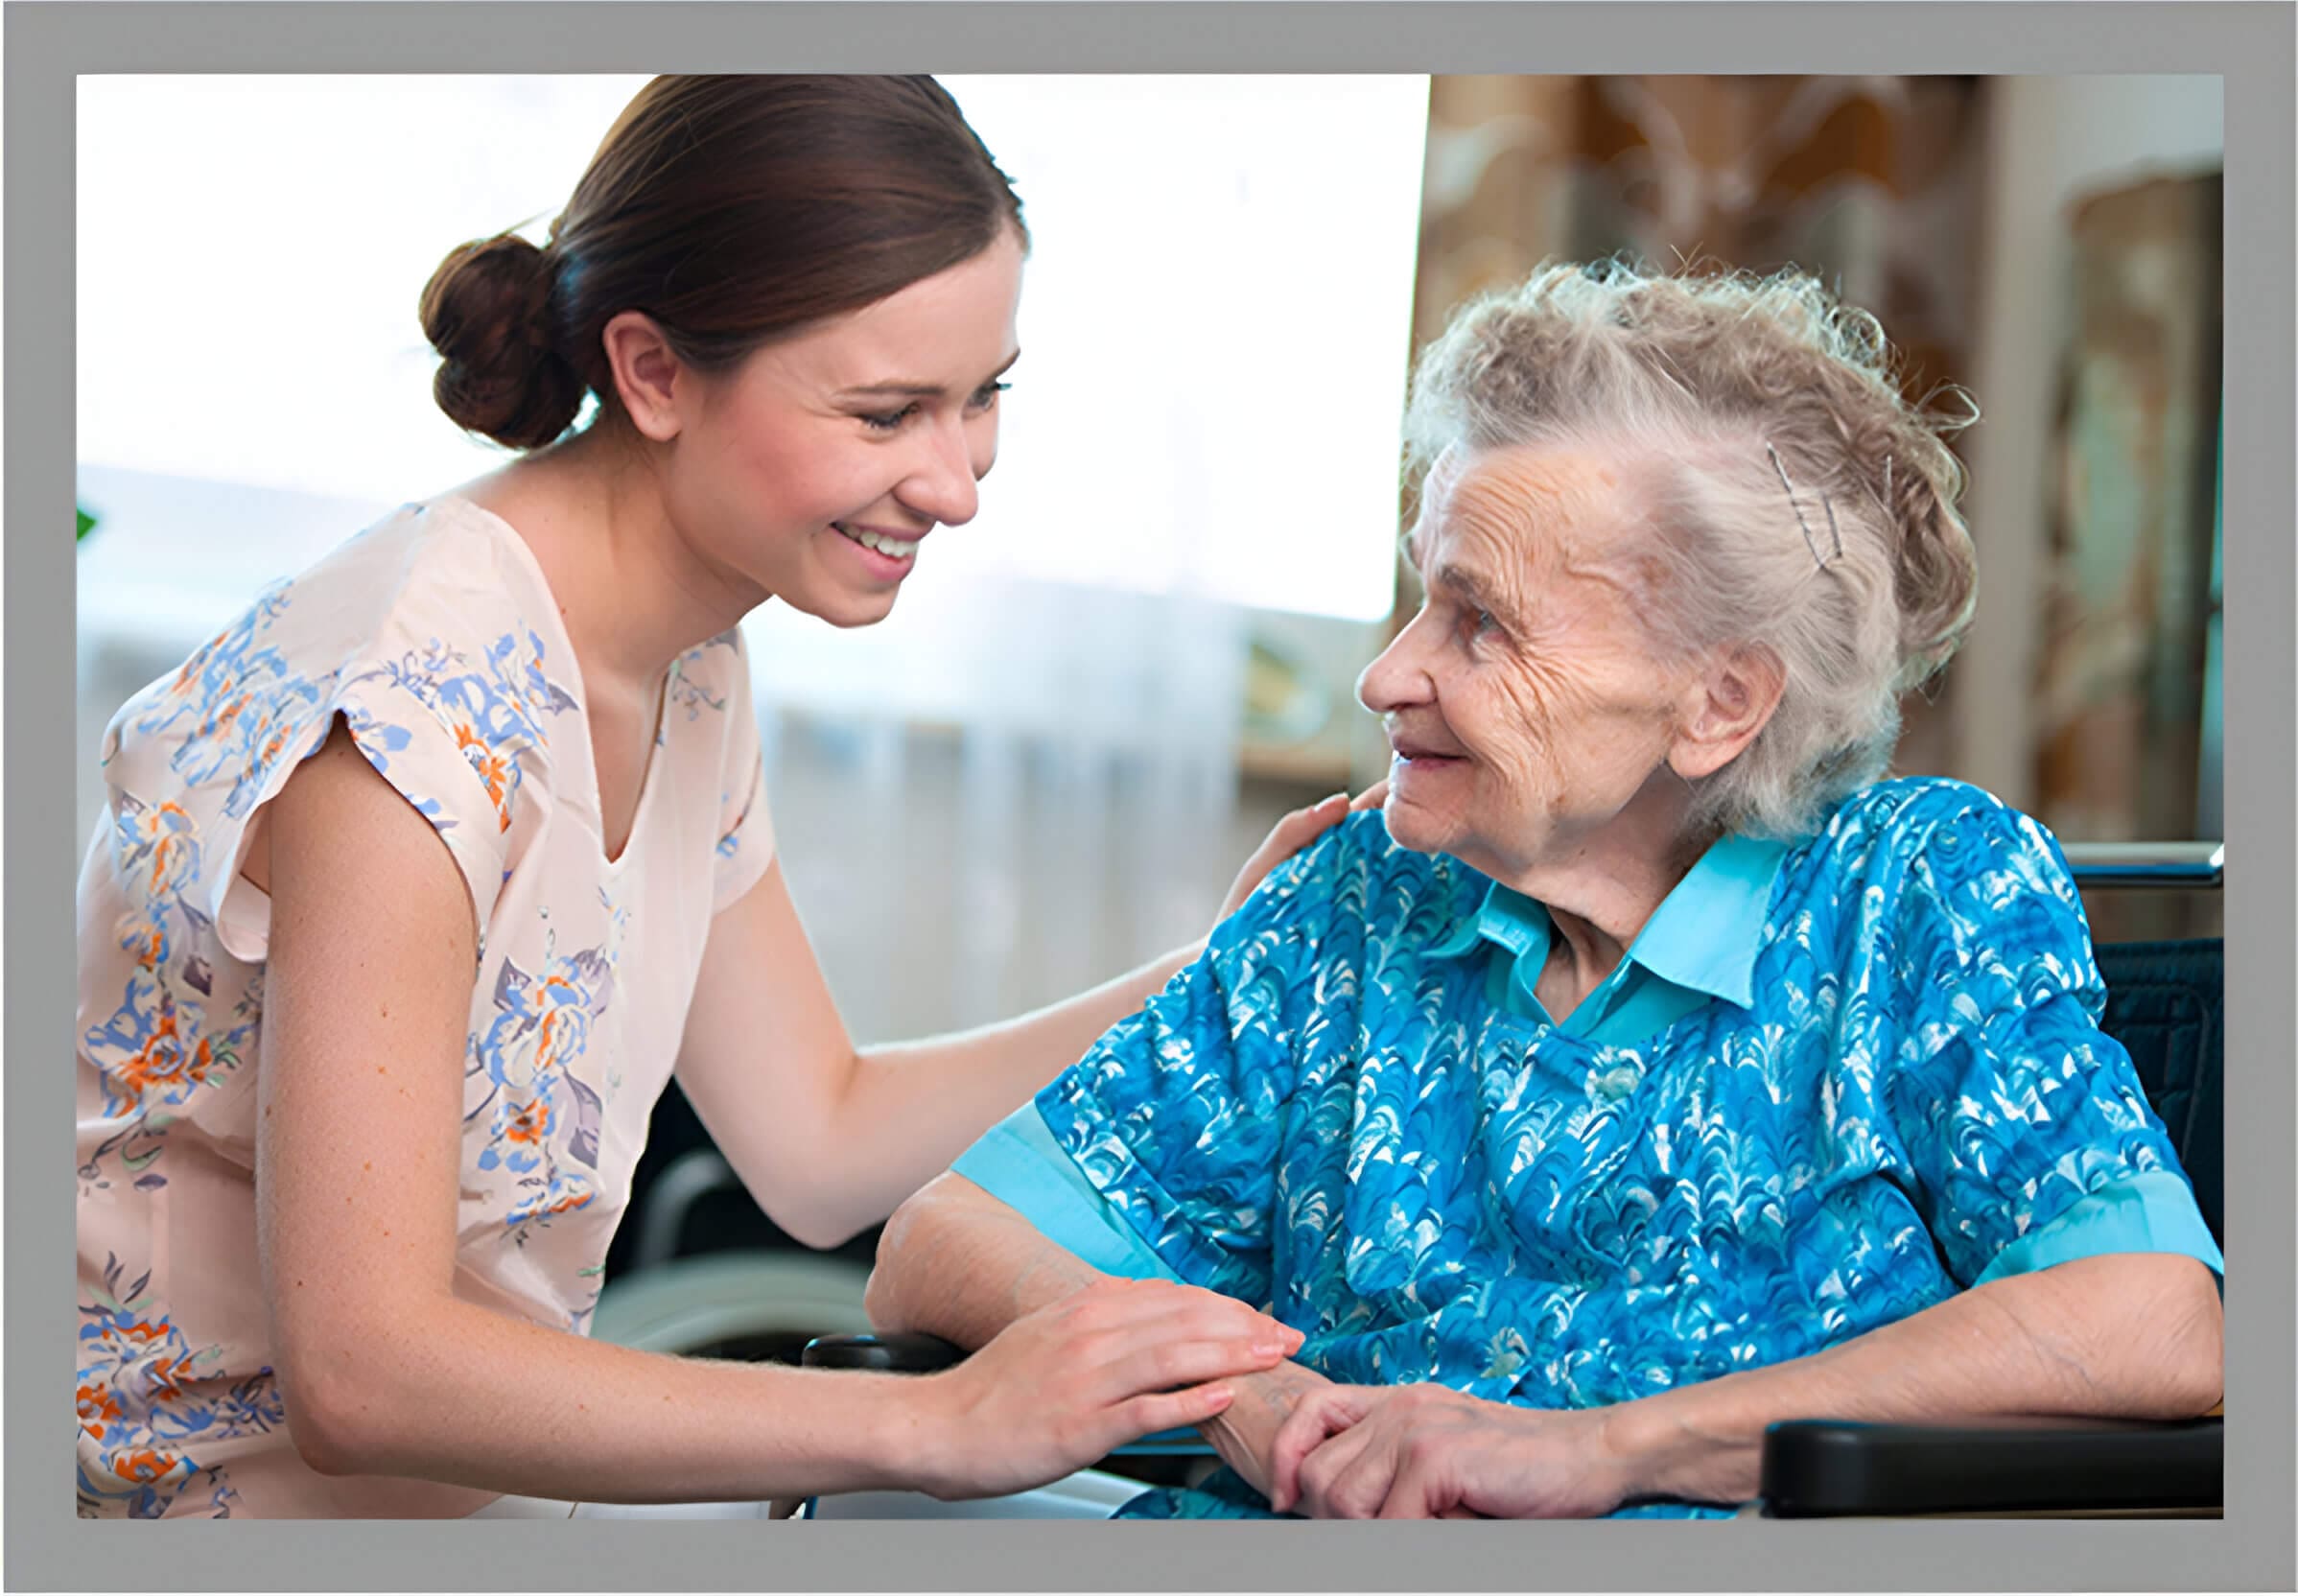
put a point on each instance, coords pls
(459, 731)
(2154, 1212)
(745, 845)
(1176, 1115)
(2020, 1120)
(1018, 1162)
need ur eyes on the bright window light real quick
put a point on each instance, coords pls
(1215, 321)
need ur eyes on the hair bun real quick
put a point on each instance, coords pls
(487, 311)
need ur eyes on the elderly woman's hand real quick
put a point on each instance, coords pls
(1425, 1451)
(1294, 833)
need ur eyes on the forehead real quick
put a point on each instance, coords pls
(1524, 501)
(956, 325)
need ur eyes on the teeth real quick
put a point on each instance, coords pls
(892, 547)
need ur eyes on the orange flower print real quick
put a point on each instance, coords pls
(564, 1030)
(226, 717)
(541, 1031)
(97, 1409)
(146, 937)
(157, 1046)
(118, 1340)
(145, 1465)
(528, 1122)
(141, 1398)
(163, 1377)
(543, 1206)
(187, 675)
(162, 1063)
(493, 769)
(171, 836)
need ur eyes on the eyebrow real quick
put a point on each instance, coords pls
(921, 390)
(1466, 583)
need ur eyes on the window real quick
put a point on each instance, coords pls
(1217, 319)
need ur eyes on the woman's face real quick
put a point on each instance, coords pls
(816, 469)
(1525, 703)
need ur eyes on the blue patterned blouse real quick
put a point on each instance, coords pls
(1831, 1085)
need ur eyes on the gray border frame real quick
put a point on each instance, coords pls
(2250, 45)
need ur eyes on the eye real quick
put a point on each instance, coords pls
(986, 395)
(890, 420)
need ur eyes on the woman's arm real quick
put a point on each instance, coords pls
(958, 1263)
(2132, 1335)
(386, 1372)
(2122, 1335)
(829, 1139)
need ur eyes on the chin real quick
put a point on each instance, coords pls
(1412, 828)
(847, 611)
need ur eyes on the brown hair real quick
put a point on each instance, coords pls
(734, 210)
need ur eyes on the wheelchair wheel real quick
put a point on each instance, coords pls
(750, 1307)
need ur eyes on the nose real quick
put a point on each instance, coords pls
(1398, 679)
(942, 483)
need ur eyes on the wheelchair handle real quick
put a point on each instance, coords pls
(884, 1354)
(2188, 867)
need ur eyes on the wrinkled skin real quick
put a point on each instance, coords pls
(1572, 730)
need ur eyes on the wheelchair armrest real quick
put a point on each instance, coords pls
(885, 1354)
(1823, 1468)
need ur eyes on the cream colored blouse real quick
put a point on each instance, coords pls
(434, 636)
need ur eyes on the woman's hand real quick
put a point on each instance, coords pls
(1294, 833)
(1062, 1388)
(1424, 1452)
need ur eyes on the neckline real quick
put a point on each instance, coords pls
(586, 788)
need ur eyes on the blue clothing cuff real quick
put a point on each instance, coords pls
(2153, 1212)
(1020, 1165)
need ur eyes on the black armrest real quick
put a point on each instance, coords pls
(1822, 1468)
(886, 1355)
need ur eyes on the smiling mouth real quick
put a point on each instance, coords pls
(893, 548)
(1407, 753)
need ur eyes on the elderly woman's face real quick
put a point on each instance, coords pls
(1526, 704)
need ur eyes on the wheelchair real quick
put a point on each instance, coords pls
(2166, 1004)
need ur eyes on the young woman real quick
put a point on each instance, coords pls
(417, 882)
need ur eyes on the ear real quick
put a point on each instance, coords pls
(1725, 707)
(649, 378)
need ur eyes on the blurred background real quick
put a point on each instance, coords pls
(1091, 702)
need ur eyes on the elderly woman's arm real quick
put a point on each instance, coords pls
(2132, 1335)
(2135, 1335)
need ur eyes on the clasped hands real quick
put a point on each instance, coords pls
(1420, 1451)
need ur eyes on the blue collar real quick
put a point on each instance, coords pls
(1703, 936)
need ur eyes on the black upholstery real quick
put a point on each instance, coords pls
(2166, 1002)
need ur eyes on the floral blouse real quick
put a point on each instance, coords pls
(433, 635)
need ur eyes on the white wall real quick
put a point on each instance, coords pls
(2053, 141)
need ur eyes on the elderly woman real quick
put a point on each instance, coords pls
(1652, 1070)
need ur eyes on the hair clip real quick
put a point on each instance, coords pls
(1809, 542)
